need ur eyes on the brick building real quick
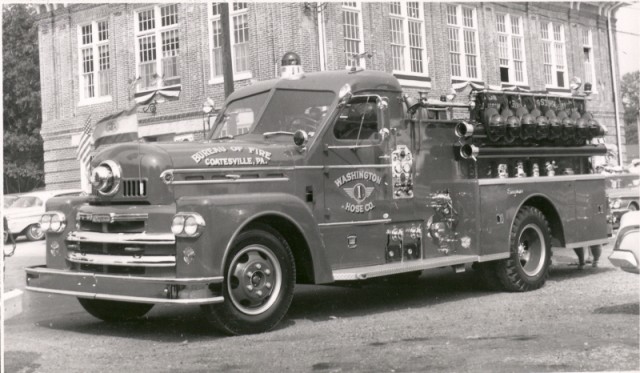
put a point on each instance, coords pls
(95, 57)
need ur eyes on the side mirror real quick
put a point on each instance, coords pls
(300, 138)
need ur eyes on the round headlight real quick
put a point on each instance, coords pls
(56, 224)
(616, 204)
(190, 226)
(177, 225)
(45, 222)
(106, 178)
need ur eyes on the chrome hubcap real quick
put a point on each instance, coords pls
(531, 250)
(254, 279)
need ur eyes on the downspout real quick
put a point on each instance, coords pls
(321, 38)
(614, 78)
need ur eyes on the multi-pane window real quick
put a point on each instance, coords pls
(158, 47)
(511, 56)
(553, 54)
(239, 27)
(94, 60)
(587, 57)
(352, 30)
(407, 37)
(462, 32)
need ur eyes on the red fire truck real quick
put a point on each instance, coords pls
(326, 177)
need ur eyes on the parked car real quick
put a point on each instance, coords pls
(23, 216)
(626, 250)
(8, 200)
(623, 191)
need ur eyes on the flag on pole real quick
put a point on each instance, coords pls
(115, 128)
(84, 144)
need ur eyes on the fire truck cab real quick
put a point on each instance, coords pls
(326, 177)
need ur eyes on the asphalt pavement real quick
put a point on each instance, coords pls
(579, 321)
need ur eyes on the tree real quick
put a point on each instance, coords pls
(630, 90)
(23, 151)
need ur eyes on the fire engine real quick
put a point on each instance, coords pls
(325, 177)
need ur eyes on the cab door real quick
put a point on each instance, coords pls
(357, 183)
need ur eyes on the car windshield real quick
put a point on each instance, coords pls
(7, 201)
(621, 181)
(239, 116)
(287, 112)
(27, 201)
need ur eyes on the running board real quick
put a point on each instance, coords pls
(363, 273)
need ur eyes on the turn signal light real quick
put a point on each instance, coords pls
(187, 224)
(53, 221)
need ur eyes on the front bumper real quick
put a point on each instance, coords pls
(125, 288)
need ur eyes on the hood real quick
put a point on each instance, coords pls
(229, 154)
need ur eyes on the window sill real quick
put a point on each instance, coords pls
(521, 85)
(94, 101)
(557, 89)
(412, 79)
(152, 89)
(458, 79)
(240, 76)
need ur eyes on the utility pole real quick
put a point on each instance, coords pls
(227, 65)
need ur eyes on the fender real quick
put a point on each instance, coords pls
(556, 223)
(227, 215)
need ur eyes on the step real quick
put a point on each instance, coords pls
(362, 273)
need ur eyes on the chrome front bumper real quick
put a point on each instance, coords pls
(124, 288)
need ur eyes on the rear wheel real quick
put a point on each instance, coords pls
(258, 287)
(112, 311)
(34, 233)
(528, 266)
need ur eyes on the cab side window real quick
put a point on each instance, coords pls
(358, 120)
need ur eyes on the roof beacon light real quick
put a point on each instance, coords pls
(291, 66)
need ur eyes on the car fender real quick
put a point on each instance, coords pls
(227, 215)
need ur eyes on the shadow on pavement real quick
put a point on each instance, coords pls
(625, 309)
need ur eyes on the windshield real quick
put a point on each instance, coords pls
(287, 111)
(27, 201)
(239, 116)
(292, 110)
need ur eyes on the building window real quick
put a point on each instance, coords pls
(407, 37)
(157, 47)
(553, 54)
(511, 49)
(464, 47)
(94, 60)
(588, 57)
(352, 30)
(239, 27)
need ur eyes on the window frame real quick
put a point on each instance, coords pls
(95, 45)
(404, 18)
(243, 75)
(592, 58)
(508, 24)
(553, 52)
(358, 10)
(157, 31)
(461, 51)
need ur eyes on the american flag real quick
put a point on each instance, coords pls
(84, 145)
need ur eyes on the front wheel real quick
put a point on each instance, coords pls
(528, 266)
(258, 287)
(34, 232)
(112, 311)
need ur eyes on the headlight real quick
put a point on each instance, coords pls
(106, 178)
(53, 221)
(177, 225)
(187, 224)
(616, 204)
(45, 222)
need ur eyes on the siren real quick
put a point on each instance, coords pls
(291, 66)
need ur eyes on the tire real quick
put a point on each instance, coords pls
(633, 207)
(114, 311)
(258, 287)
(530, 245)
(34, 233)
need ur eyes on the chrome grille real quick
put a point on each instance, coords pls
(134, 188)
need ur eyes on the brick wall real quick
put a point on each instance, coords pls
(276, 28)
